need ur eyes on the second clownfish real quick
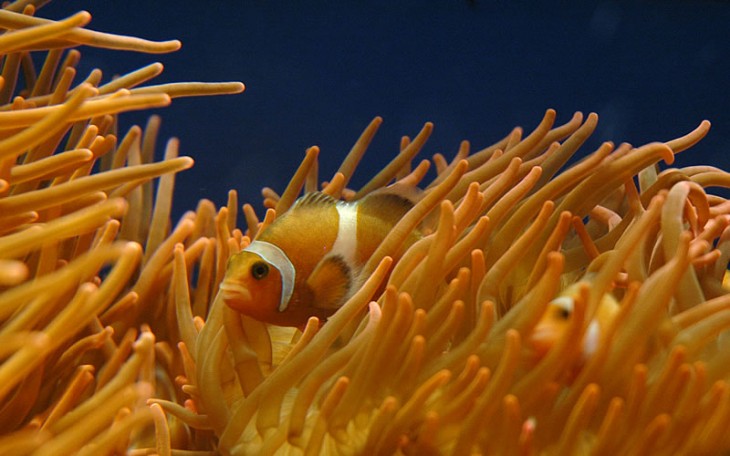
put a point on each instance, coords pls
(555, 321)
(309, 261)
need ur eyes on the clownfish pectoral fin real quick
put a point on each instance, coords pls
(330, 282)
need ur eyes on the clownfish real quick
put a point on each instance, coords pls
(555, 321)
(309, 261)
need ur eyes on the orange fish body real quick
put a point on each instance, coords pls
(309, 261)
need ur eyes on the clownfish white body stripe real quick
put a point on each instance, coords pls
(309, 261)
(346, 242)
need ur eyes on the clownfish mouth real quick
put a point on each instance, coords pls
(542, 340)
(234, 294)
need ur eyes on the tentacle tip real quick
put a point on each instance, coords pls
(172, 45)
(387, 261)
(295, 439)
(84, 16)
(187, 162)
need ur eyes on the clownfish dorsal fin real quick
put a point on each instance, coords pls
(390, 206)
(330, 282)
(407, 192)
(314, 199)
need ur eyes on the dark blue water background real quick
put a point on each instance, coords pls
(317, 72)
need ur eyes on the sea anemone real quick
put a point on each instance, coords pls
(114, 339)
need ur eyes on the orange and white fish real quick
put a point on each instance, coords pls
(309, 261)
(555, 321)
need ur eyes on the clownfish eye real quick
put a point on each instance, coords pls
(563, 313)
(259, 270)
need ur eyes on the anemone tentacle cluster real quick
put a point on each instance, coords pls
(114, 339)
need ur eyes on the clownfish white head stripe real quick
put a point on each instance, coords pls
(278, 259)
(565, 303)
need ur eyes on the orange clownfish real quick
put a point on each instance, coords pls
(555, 320)
(309, 261)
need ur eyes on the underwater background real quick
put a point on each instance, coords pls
(317, 72)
